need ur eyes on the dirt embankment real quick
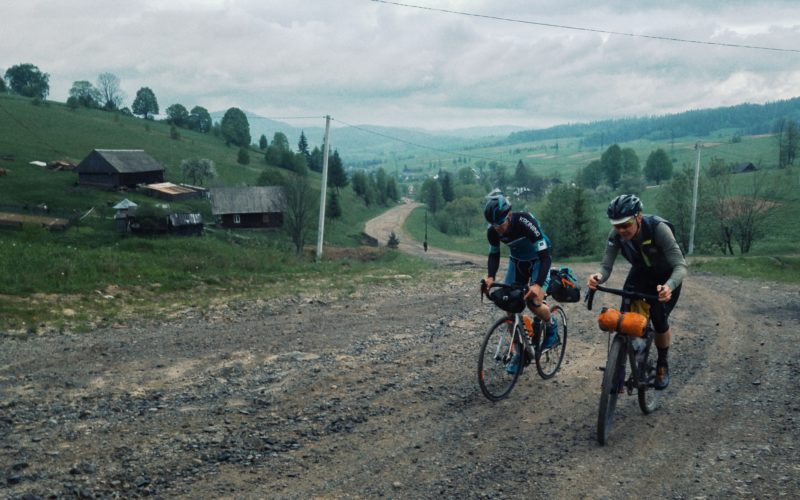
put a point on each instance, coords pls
(375, 395)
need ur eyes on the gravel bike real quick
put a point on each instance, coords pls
(643, 366)
(514, 341)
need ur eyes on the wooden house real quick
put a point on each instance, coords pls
(248, 207)
(116, 168)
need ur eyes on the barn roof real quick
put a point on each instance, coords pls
(123, 160)
(247, 200)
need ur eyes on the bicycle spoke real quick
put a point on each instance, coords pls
(549, 362)
(498, 370)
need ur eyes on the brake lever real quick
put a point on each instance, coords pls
(589, 298)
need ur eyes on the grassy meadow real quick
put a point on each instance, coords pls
(89, 274)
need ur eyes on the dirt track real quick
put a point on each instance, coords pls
(375, 395)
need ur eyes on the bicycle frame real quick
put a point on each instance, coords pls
(621, 348)
(509, 347)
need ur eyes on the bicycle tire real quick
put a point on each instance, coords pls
(548, 363)
(649, 398)
(494, 357)
(609, 394)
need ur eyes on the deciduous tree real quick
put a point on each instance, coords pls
(235, 128)
(658, 167)
(611, 163)
(111, 97)
(300, 209)
(197, 170)
(145, 103)
(177, 115)
(27, 80)
(85, 94)
(674, 203)
(200, 120)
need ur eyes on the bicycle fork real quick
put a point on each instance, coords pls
(638, 352)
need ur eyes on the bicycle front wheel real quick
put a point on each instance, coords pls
(548, 363)
(649, 398)
(501, 360)
(615, 366)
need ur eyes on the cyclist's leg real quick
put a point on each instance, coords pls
(526, 270)
(638, 280)
(663, 337)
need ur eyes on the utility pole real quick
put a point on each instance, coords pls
(697, 147)
(324, 187)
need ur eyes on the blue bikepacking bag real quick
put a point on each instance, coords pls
(564, 285)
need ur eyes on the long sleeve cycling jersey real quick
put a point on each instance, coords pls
(526, 241)
(654, 251)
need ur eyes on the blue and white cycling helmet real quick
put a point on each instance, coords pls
(497, 209)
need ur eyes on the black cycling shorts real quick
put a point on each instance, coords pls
(641, 281)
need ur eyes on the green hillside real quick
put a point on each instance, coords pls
(93, 271)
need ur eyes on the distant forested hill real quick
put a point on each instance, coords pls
(748, 119)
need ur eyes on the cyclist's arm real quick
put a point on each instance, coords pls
(535, 234)
(493, 262)
(544, 268)
(609, 256)
(665, 240)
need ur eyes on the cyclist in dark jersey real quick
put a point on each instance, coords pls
(657, 267)
(529, 262)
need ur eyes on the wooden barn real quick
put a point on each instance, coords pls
(248, 207)
(116, 168)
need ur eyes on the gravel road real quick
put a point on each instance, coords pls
(375, 395)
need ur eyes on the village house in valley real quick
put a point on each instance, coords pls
(248, 207)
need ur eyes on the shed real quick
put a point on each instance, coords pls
(248, 207)
(115, 168)
(186, 224)
(744, 167)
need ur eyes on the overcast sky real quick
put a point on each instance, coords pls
(376, 63)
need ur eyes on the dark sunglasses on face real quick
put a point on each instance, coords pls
(624, 225)
(498, 224)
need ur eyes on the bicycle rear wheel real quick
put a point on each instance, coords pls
(609, 394)
(548, 363)
(649, 398)
(496, 357)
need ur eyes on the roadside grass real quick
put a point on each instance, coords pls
(51, 281)
(783, 269)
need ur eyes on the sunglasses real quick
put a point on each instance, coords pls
(625, 225)
(498, 224)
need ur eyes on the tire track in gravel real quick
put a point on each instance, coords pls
(375, 394)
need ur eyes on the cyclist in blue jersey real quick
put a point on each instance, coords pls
(529, 260)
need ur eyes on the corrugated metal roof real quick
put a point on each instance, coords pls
(247, 200)
(182, 219)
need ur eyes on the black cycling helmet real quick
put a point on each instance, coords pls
(496, 209)
(623, 207)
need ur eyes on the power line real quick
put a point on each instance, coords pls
(592, 30)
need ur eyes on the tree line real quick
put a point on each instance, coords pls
(748, 119)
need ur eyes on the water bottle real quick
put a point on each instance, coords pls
(528, 325)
